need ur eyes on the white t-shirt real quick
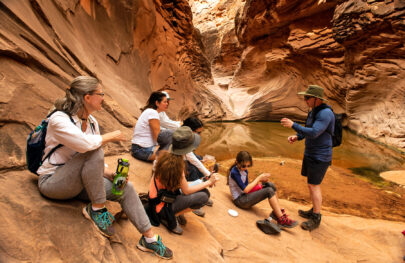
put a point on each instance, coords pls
(61, 130)
(142, 131)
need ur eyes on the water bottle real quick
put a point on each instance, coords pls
(120, 178)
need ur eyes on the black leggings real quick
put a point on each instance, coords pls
(246, 201)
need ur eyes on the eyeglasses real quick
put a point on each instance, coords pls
(307, 97)
(100, 94)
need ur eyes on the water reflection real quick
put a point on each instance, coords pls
(266, 139)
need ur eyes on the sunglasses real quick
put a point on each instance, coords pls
(100, 94)
(307, 97)
(245, 166)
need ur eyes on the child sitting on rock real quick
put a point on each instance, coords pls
(246, 195)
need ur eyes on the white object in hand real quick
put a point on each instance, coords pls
(232, 212)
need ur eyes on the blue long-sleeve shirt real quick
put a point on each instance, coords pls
(238, 180)
(317, 134)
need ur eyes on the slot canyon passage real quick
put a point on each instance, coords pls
(223, 60)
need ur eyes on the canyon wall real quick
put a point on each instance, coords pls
(264, 52)
(133, 47)
(242, 59)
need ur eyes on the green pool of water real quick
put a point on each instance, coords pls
(269, 139)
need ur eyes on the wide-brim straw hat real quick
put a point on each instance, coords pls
(184, 140)
(313, 91)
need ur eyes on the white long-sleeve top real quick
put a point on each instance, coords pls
(61, 130)
(167, 123)
(197, 163)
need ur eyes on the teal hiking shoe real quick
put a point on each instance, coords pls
(102, 220)
(156, 248)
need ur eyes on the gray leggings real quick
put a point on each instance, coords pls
(193, 201)
(246, 201)
(82, 177)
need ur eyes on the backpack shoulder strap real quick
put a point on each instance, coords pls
(59, 145)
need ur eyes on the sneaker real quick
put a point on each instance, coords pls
(268, 227)
(177, 230)
(312, 223)
(156, 248)
(284, 221)
(102, 219)
(199, 212)
(306, 214)
(182, 220)
(210, 202)
(273, 215)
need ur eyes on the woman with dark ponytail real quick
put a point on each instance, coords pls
(147, 129)
(75, 165)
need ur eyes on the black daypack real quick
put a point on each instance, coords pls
(36, 145)
(338, 131)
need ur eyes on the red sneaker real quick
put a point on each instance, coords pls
(284, 221)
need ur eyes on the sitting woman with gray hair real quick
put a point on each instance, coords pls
(74, 164)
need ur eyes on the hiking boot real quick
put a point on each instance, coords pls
(312, 223)
(156, 248)
(273, 215)
(210, 202)
(177, 230)
(102, 219)
(306, 214)
(284, 221)
(199, 212)
(268, 227)
(181, 220)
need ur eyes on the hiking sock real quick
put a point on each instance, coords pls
(151, 239)
(96, 209)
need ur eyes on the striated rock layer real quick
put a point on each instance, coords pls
(134, 47)
(263, 52)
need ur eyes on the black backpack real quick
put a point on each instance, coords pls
(338, 131)
(36, 145)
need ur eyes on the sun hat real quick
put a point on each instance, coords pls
(184, 140)
(167, 95)
(313, 91)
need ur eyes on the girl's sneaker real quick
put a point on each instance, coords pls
(284, 221)
(156, 248)
(273, 215)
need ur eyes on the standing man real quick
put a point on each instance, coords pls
(318, 149)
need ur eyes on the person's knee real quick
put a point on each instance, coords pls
(96, 155)
(201, 199)
(271, 185)
(270, 192)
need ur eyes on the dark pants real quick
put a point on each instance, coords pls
(192, 172)
(164, 139)
(246, 201)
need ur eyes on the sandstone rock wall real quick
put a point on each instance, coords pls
(265, 52)
(134, 47)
